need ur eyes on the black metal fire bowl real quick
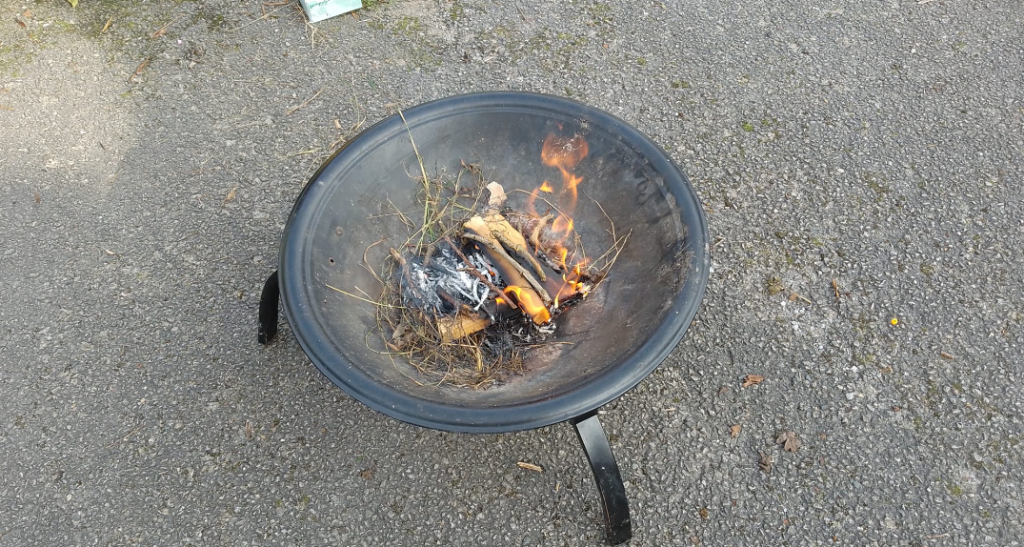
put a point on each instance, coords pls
(618, 335)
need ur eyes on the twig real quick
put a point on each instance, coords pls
(423, 171)
(401, 215)
(542, 198)
(611, 263)
(107, 26)
(406, 272)
(344, 137)
(546, 344)
(163, 30)
(530, 467)
(835, 288)
(535, 234)
(598, 203)
(264, 16)
(368, 301)
(293, 109)
(366, 263)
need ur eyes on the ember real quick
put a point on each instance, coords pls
(478, 284)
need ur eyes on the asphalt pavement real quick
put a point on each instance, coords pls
(860, 164)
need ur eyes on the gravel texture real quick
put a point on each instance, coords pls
(875, 144)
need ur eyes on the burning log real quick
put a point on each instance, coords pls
(548, 243)
(529, 295)
(512, 240)
(477, 229)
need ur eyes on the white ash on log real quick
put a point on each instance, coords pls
(442, 285)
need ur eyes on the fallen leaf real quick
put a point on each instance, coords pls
(366, 473)
(734, 430)
(703, 513)
(20, 22)
(109, 252)
(764, 462)
(27, 14)
(248, 431)
(37, 197)
(789, 441)
(723, 390)
(945, 355)
(403, 336)
(138, 70)
(530, 466)
(231, 195)
(793, 297)
(74, 3)
(752, 379)
(773, 286)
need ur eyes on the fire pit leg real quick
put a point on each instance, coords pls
(606, 473)
(268, 310)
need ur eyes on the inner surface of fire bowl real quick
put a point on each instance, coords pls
(600, 348)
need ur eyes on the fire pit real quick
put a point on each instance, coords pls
(607, 343)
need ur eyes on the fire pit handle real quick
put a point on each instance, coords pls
(606, 473)
(268, 310)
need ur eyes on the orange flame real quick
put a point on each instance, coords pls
(525, 299)
(562, 254)
(571, 284)
(563, 153)
(562, 225)
(531, 202)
